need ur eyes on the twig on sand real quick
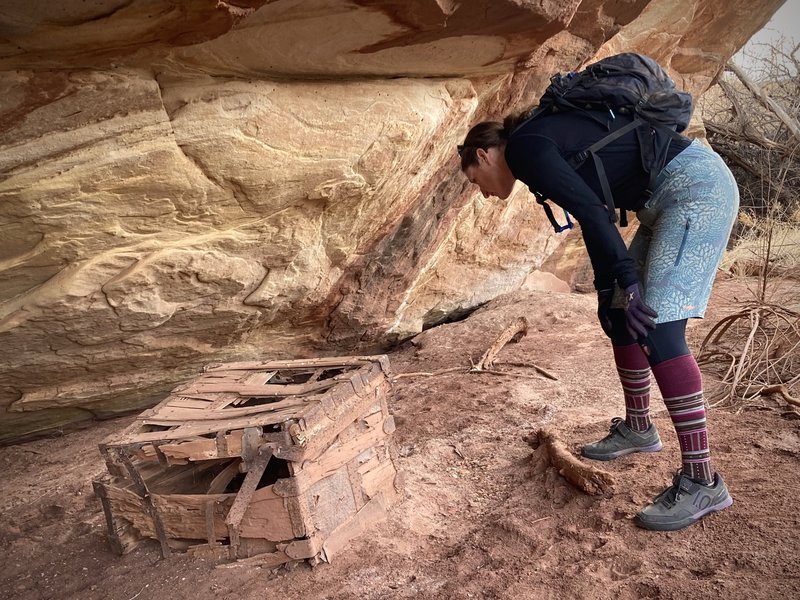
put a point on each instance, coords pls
(137, 594)
(779, 389)
(534, 366)
(428, 374)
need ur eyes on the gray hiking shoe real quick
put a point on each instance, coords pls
(683, 503)
(622, 440)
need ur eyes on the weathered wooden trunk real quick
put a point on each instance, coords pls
(288, 460)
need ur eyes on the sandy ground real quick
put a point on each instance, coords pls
(476, 520)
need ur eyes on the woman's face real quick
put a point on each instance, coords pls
(491, 173)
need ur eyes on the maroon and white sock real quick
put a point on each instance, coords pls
(681, 385)
(634, 374)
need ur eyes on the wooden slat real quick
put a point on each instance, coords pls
(186, 516)
(244, 496)
(222, 401)
(207, 449)
(185, 402)
(266, 517)
(329, 462)
(168, 414)
(117, 543)
(376, 479)
(211, 533)
(268, 390)
(259, 378)
(195, 428)
(141, 487)
(333, 361)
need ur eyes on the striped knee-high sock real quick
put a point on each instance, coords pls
(634, 374)
(681, 385)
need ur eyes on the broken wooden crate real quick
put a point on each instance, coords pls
(284, 459)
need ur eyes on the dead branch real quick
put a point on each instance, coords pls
(768, 102)
(590, 480)
(533, 366)
(756, 348)
(516, 331)
(782, 390)
(429, 374)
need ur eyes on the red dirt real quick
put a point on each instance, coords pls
(477, 520)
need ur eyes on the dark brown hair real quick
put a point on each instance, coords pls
(488, 134)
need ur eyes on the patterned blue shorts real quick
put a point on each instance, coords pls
(683, 231)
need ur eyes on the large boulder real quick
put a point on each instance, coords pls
(198, 180)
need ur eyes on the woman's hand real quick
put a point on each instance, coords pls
(637, 313)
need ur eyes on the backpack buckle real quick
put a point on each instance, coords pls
(549, 212)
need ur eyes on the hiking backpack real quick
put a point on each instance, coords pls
(624, 83)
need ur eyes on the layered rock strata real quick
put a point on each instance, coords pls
(197, 180)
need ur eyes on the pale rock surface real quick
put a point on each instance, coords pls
(189, 181)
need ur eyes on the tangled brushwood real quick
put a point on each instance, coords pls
(754, 352)
(752, 121)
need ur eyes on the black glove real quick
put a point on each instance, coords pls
(604, 298)
(637, 313)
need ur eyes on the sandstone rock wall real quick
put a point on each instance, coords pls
(197, 180)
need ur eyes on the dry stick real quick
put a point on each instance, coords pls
(518, 328)
(754, 320)
(426, 374)
(534, 366)
(506, 373)
(589, 479)
(747, 367)
(768, 102)
(782, 390)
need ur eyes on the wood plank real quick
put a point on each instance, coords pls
(122, 536)
(375, 480)
(332, 422)
(211, 533)
(267, 517)
(371, 461)
(207, 449)
(334, 458)
(186, 516)
(259, 378)
(198, 428)
(266, 390)
(330, 502)
(333, 361)
(223, 400)
(298, 515)
(170, 415)
(185, 402)
(244, 496)
(354, 478)
(141, 487)
(183, 516)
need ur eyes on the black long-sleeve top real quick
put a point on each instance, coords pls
(538, 153)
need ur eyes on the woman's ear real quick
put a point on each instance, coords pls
(482, 155)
